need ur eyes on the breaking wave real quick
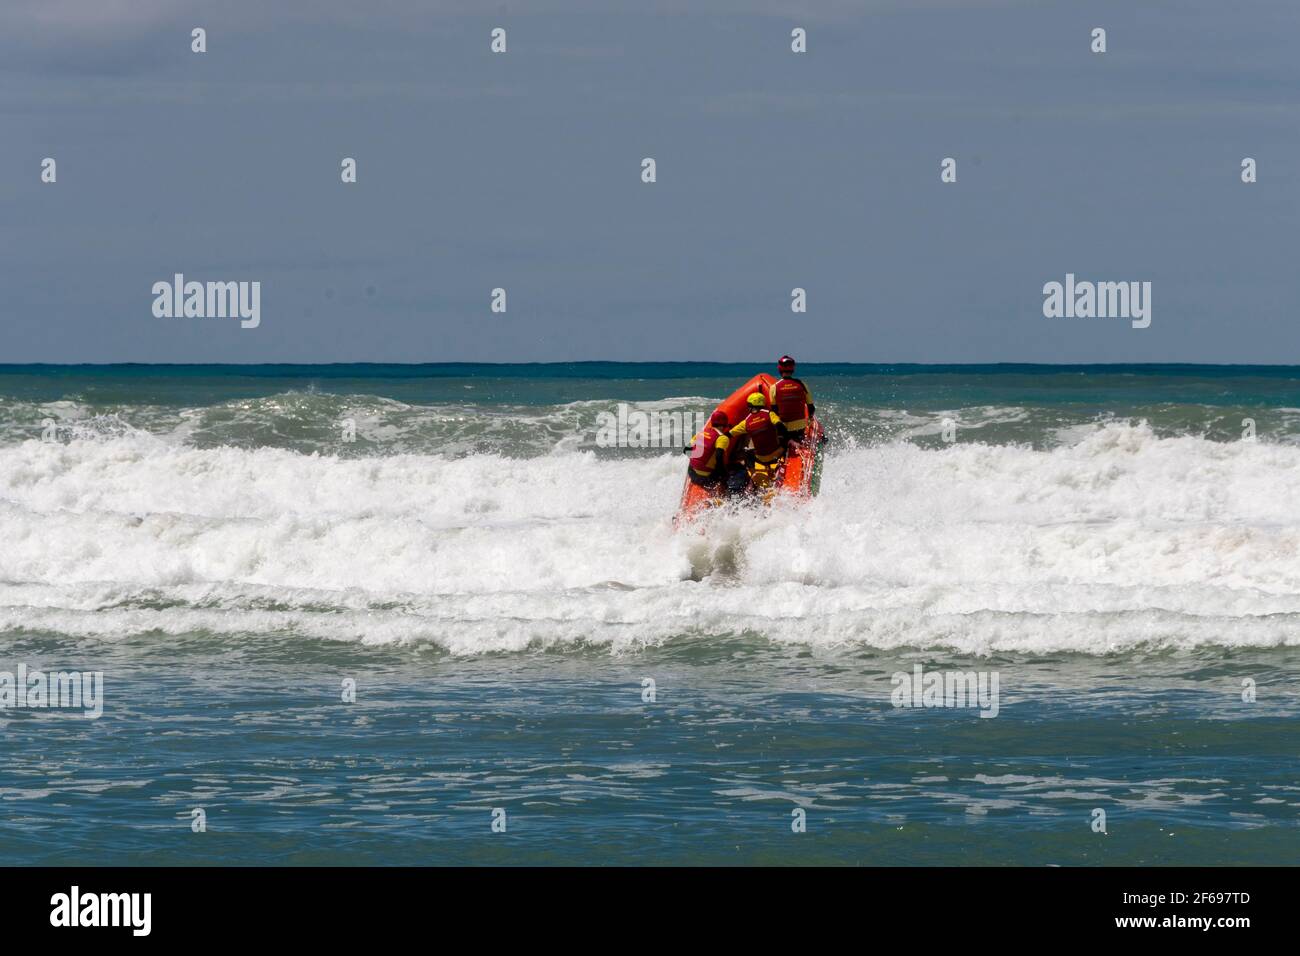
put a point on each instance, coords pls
(1114, 538)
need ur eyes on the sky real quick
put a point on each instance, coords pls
(775, 170)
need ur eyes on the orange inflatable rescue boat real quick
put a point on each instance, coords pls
(798, 474)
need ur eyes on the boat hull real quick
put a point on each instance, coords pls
(798, 477)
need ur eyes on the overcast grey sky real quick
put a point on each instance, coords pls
(775, 170)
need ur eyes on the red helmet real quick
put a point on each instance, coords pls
(719, 420)
(785, 364)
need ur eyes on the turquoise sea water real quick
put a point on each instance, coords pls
(1116, 545)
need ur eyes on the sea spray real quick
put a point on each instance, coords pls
(970, 546)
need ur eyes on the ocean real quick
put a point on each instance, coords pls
(369, 614)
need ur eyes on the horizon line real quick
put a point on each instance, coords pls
(764, 362)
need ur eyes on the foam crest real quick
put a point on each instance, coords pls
(1122, 539)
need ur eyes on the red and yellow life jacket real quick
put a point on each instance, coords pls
(790, 397)
(760, 427)
(710, 452)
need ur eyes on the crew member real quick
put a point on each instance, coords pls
(764, 430)
(791, 399)
(709, 452)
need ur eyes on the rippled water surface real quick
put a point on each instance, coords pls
(1118, 547)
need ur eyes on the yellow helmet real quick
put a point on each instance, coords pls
(756, 400)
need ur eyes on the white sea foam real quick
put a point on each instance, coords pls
(1120, 540)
